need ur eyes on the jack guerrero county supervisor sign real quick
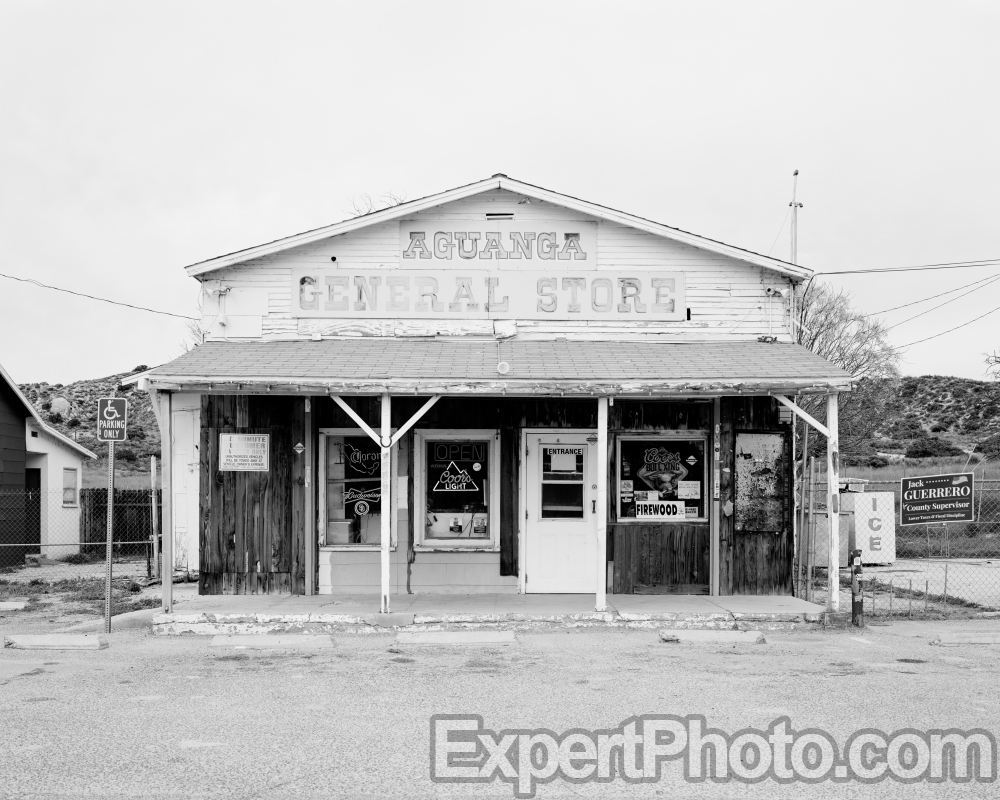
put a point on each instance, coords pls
(937, 498)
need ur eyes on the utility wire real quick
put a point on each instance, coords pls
(780, 230)
(985, 262)
(936, 335)
(932, 297)
(91, 297)
(940, 305)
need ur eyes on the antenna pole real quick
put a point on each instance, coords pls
(795, 218)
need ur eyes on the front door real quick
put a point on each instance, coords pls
(561, 499)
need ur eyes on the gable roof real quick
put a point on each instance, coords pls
(500, 181)
(65, 441)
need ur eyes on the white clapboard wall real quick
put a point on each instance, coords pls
(727, 298)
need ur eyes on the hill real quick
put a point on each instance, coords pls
(940, 415)
(72, 410)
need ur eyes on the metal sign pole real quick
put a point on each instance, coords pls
(111, 528)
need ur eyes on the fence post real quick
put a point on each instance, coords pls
(811, 536)
(155, 517)
(944, 605)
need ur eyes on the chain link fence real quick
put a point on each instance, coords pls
(55, 536)
(919, 570)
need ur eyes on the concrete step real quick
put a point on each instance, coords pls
(255, 624)
(54, 641)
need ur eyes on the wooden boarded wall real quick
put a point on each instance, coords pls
(661, 559)
(664, 558)
(252, 537)
(751, 562)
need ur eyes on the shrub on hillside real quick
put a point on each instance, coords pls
(55, 418)
(932, 447)
(989, 446)
(908, 428)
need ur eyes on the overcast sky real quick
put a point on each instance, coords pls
(138, 138)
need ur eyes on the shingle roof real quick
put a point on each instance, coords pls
(440, 360)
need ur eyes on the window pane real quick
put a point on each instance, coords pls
(69, 486)
(562, 500)
(658, 470)
(353, 490)
(457, 480)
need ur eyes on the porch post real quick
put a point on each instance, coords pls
(167, 501)
(309, 512)
(386, 504)
(833, 501)
(714, 531)
(601, 511)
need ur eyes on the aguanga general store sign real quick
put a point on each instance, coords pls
(451, 271)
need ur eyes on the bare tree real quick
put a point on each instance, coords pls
(194, 336)
(993, 364)
(363, 204)
(858, 343)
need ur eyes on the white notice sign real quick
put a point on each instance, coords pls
(243, 452)
(689, 490)
(647, 506)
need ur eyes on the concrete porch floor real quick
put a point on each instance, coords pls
(359, 613)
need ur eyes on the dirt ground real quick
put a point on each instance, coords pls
(173, 716)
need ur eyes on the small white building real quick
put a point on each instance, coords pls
(52, 474)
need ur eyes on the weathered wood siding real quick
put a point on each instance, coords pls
(12, 439)
(726, 297)
(252, 538)
(661, 559)
(751, 563)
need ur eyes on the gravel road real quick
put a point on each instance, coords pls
(170, 716)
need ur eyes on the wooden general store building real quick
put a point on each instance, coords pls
(495, 389)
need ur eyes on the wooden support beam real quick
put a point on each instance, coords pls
(415, 418)
(386, 503)
(715, 534)
(167, 457)
(601, 505)
(360, 422)
(807, 417)
(833, 502)
(309, 513)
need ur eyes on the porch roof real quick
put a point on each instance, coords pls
(368, 366)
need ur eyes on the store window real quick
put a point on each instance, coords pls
(562, 482)
(661, 479)
(457, 487)
(351, 490)
(69, 487)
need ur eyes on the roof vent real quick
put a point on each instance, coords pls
(500, 215)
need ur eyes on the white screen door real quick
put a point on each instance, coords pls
(561, 494)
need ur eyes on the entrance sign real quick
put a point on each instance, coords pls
(937, 498)
(112, 419)
(244, 452)
(569, 291)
